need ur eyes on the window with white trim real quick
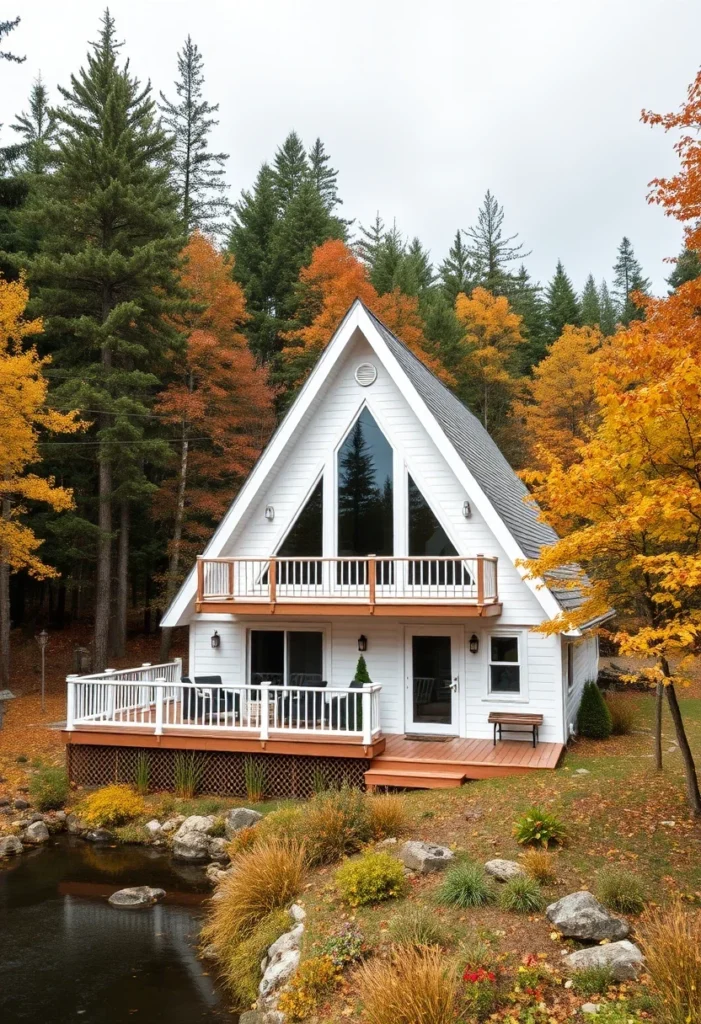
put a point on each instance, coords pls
(569, 665)
(504, 665)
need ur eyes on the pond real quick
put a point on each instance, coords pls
(67, 955)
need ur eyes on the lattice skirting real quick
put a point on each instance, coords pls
(286, 775)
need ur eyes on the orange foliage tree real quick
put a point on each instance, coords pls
(221, 403)
(328, 286)
(23, 414)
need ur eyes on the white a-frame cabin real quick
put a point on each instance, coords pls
(381, 519)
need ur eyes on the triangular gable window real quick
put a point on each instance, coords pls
(304, 541)
(428, 538)
(365, 485)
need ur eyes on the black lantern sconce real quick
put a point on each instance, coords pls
(362, 643)
(474, 644)
(216, 640)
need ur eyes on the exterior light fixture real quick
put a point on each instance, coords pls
(474, 644)
(42, 639)
(216, 640)
(466, 509)
(362, 643)
(269, 513)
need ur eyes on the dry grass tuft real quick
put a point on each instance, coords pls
(622, 711)
(539, 864)
(388, 815)
(413, 987)
(671, 943)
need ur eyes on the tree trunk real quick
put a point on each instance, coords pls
(692, 781)
(120, 635)
(103, 576)
(4, 610)
(659, 697)
(174, 561)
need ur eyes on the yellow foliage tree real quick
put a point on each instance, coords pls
(23, 413)
(562, 401)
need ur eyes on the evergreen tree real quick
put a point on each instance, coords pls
(414, 274)
(590, 304)
(561, 304)
(38, 131)
(324, 177)
(5, 28)
(628, 278)
(290, 170)
(369, 244)
(489, 252)
(198, 174)
(593, 717)
(388, 258)
(607, 309)
(455, 272)
(527, 301)
(686, 268)
(305, 225)
(105, 282)
(442, 329)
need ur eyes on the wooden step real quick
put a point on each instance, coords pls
(401, 778)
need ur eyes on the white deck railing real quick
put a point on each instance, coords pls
(153, 699)
(370, 580)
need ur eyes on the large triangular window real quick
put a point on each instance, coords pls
(365, 491)
(428, 538)
(304, 542)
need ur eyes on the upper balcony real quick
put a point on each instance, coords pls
(452, 585)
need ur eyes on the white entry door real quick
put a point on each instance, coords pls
(432, 680)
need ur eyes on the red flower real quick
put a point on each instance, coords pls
(477, 975)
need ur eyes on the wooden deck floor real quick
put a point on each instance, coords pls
(437, 764)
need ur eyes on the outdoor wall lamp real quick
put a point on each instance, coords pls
(466, 509)
(269, 513)
(474, 644)
(216, 640)
(362, 643)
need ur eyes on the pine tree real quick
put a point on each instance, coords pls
(325, 178)
(5, 28)
(368, 245)
(628, 278)
(38, 130)
(607, 308)
(526, 301)
(593, 718)
(490, 253)
(686, 268)
(590, 304)
(388, 258)
(455, 272)
(105, 282)
(561, 304)
(414, 274)
(290, 170)
(198, 174)
(442, 328)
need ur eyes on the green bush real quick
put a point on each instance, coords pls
(540, 828)
(521, 894)
(593, 718)
(375, 877)
(592, 981)
(465, 885)
(345, 946)
(48, 788)
(418, 926)
(620, 890)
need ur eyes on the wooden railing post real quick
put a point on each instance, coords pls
(480, 580)
(372, 577)
(160, 689)
(70, 702)
(272, 579)
(231, 579)
(265, 710)
(200, 579)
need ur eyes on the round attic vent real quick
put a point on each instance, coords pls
(366, 374)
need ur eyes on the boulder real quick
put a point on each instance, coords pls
(261, 1017)
(219, 849)
(192, 846)
(21, 805)
(172, 824)
(623, 959)
(238, 818)
(209, 952)
(99, 835)
(153, 827)
(282, 961)
(581, 916)
(503, 870)
(215, 874)
(297, 913)
(195, 823)
(590, 1007)
(136, 896)
(4, 801)
(36, 833)
(10, 846)
(75, 826)
(425, 857)
(35, 817)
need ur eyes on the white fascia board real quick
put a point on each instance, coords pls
(182, 607)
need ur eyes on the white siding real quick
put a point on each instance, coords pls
(586, 667)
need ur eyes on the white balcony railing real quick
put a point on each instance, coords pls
(370, 580)
(152, 699)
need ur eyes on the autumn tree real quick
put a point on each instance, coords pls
(220, 404)
(23, 416)
(560, 409)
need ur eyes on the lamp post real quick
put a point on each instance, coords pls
(42, 639)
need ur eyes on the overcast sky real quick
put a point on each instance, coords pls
(425, 105)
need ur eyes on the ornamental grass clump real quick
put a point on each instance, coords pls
(240, 968)
(371, 879)
(112, 805)
(592, 981)
(388, 815)
(540, 828)
(620, 890)
(593, 718)
(522, 895)
(335, 823)
(622, 711)
(415, 986)
(48, 788)
(418, 926)
(539, 864)
(465, 885)
(671, 944)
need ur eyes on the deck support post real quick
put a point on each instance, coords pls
(265, 710)
(160, 689)
(272, 577)
(367, 713)
(200, 578)
(70, 703)
(372, 579)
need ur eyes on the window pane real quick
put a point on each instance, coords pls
(267, 656)
(431, 679)
(505, 678)
(365, 482)
(504, 648)
(426, 535)
(304, 539)
(304, 653)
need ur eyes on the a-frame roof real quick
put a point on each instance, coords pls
(487, 477)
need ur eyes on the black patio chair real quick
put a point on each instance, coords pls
(346, 713)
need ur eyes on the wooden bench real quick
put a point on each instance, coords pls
(515, 721)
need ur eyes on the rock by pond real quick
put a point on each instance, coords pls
(136, 896)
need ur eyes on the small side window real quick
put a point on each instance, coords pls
(504, 665)
(570, 666)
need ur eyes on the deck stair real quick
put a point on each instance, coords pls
(410, 775)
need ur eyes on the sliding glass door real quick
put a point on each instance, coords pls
(286, 657)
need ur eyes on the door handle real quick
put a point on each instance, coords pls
(454, 684)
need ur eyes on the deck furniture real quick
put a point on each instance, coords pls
(515, 721)
(346, 713)
(5, 695)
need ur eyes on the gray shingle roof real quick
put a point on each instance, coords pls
(482, 457)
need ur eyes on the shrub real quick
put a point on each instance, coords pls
(622, 711)
(113, 805)
(241, 966)
(254, 777)
(388, 816)
(335, 823)
(671, 943)
(264, 879)
(345, 946)
(539, 865)
(465, 885)
(521, 894)
(592, 981)
(375, 877)
(283, 823)
(244, 839)
(309, 984)
(620, 890)
(142, 774)
(188, 770)
(593, 717)
(418, 926)
(540, 828)
(218, 829)
(132, 833)
(48, 788)
(480, 990)
(416, 986)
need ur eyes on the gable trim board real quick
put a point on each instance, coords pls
(389, 350)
